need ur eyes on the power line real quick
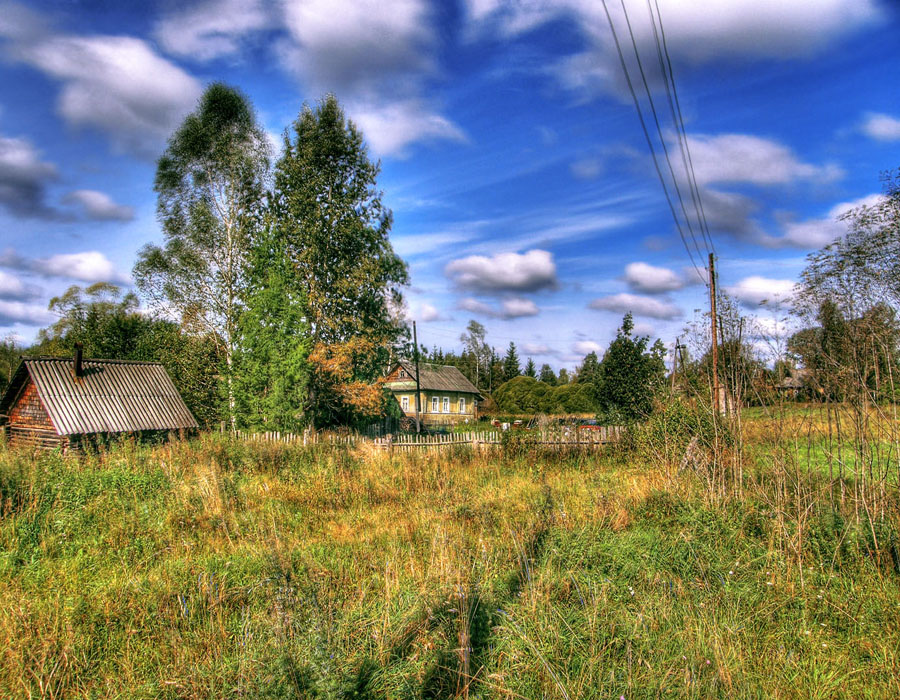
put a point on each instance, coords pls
(659, 132)
(679, 130)
(680, 124)
(637, 107)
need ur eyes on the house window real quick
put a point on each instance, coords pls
(462, 404)
(404, 403)
(402, 374)
(446, 404)
(434, 404)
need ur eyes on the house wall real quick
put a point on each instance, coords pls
(29, 422)
(428, 416)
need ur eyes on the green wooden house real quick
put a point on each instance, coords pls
(446, 396)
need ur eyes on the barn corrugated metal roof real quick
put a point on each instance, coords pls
(434, 378)
(111, 396)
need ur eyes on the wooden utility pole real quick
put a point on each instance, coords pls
(418, 388)
(675, 361)
(715, 345)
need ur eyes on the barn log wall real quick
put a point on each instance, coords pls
(29, 423)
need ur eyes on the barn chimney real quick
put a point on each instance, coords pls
(76, 363)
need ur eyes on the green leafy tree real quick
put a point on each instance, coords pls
(481, 354)
(511, 368)
(530, 369)
(547, 375)
(563, 377)
(629, 374)
(273, 365)
(211, 185)
(587, 372)
(10, 352)
(329, 215)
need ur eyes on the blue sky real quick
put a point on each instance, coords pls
(522, 187)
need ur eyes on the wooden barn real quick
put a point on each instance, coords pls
(446, 396)
(58, 402)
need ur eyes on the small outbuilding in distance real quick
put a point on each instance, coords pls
(59, 402)
(446, 396)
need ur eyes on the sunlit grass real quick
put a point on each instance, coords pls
(213, 569)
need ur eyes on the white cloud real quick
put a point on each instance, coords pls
(817, 233)
(649, 279)
(505, 272)
(696, 32)
(99, 206)
(518, 308)
(587, 168)
(586, 347)
(744, 158)
(211, 29)
(509, 308)
(390, 128)
(881, 127)
(117, 84)
(537, 349)
(638, 305)
(426, 313)
(89, 266)
(11, 287)
(23, 179)
(754, 290)
(19, 312)
(351, 45)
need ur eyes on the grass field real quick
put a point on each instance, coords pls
(211, 569)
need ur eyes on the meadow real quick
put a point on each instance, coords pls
(215, 568)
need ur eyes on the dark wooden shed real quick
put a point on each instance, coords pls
(53, 402)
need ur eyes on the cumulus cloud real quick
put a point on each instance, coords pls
(531, 271)
(742, 158)
(817, 233)
(392, 127)
(211, 29)
(537, 349)
(648, 279)
(117, 84)
(509, 308)
(12, 312)
(754, 290)
(23, 180)
(99, 206)
(586, 347)
(881, 127)
(695, 32)
(11, 287)
(89, 266)
(637, 305)
(426, 313)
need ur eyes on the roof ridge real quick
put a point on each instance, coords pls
(50, 358)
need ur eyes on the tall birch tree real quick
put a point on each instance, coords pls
(210, 184)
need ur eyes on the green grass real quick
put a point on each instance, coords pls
(209, 569)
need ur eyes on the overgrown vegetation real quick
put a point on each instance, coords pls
(216, 568)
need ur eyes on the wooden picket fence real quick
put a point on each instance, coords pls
(309, 437)
(552, 439)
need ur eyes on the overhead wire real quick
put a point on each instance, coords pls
(659, 132)
(656, 164)
(670, 81)
(681, 135)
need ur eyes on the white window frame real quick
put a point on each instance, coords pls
(404, 403)
(446, 406)
(462, 404)
(435, 402)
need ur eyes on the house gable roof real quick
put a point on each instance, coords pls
(111, 396)
(433, 378)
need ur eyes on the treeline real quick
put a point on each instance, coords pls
(274, 298)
